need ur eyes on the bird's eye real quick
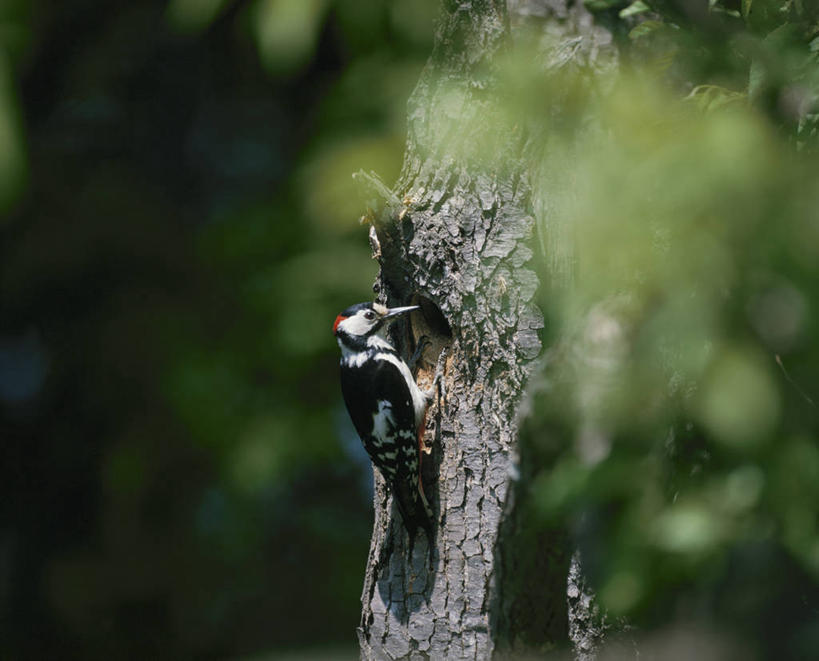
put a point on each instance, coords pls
(369, 315)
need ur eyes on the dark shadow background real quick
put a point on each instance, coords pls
(179, 229)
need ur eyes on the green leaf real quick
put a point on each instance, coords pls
(193, 15)
(637, 7)
(602, 5)
(286, 32)
(756, 77)
(712, 97)
(645, 28)
(725, 12)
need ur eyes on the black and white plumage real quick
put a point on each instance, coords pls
(386, 406)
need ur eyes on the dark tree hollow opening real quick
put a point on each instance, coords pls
(429, 326)
(433, 317)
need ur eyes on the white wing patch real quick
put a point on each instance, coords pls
(378, 342)
(383, 423)
(419, 401)
(350, 358)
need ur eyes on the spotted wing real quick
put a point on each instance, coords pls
(380, 406)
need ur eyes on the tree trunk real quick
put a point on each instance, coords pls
(456, 238)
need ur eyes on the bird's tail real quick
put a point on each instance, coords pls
(415, 512)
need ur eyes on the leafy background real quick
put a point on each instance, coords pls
(180, 228)
(675, 433)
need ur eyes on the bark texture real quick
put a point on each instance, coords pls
(459, 238)
(456, 237)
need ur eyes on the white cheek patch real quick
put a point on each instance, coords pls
(356, 325)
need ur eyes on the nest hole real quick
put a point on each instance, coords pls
(432, 318)
(430, 323)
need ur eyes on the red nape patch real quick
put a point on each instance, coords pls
(339, 319)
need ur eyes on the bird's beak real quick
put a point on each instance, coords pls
(392, 312)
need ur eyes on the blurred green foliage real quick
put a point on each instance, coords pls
(179, 229)
(676, 432)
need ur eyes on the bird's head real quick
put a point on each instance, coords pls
(365, 320)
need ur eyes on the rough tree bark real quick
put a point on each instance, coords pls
(456, 237)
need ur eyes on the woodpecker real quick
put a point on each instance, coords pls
(387, 407)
